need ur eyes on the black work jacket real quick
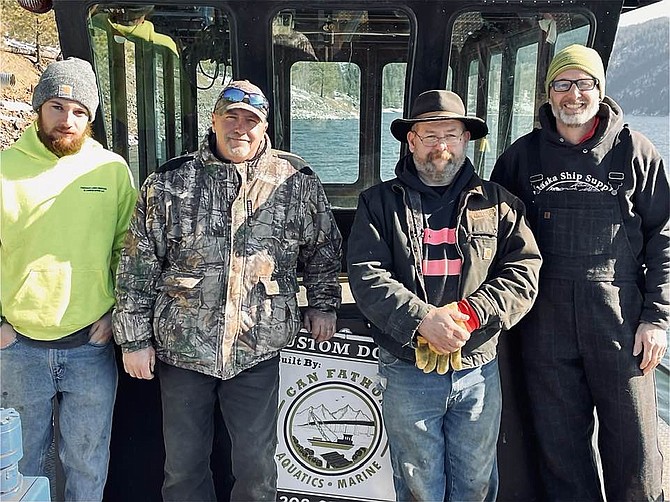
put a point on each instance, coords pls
(500, 262)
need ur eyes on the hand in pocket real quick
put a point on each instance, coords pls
(7, 335)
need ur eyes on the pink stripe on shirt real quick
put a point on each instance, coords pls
(442, 236)
(441, 267)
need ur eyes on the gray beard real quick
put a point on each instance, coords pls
(429, 175)
(576, 120)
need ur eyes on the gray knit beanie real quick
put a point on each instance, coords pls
(71, 78)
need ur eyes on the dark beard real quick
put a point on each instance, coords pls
(60, 146)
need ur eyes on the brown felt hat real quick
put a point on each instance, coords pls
(435, 105)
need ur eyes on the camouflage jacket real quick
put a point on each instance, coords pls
(209, 270)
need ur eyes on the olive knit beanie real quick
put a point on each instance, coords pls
(71, 78)
(577, 57)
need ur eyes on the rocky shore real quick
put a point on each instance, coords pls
(15, 110)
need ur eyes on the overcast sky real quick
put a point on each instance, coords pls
(643, 14)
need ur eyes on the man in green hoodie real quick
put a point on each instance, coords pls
(65, 207)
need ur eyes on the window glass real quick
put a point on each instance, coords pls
(318, 55)
(160, 69)
(577, 36)
(492, 113)
(471, 101)
(450, 79)
(523, 114)
(393, 86)
(325, 118)
(504, 48)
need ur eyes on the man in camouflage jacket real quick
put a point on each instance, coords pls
(207, 284)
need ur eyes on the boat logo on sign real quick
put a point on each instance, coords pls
(329, 440)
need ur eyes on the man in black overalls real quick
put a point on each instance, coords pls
(598, 203)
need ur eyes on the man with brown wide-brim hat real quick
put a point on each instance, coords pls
(438, 105)
(439, 262)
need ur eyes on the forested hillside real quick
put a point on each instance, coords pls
(638, 75)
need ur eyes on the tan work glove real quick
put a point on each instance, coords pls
(429, 359)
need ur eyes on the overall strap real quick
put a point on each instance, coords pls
(622, 153)
(533, 159)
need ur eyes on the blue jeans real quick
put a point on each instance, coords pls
(248, 403)
(85, 380)
(442, 430)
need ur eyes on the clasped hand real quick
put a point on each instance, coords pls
(444, 325)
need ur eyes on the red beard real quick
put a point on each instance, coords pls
(59, 144)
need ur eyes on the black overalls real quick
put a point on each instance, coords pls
(578, 339)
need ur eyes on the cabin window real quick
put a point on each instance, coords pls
(576, 36)
(393, 86)
(160, 69)
(525, 70)
(496, 59)
(492, 114)
(325, 118)
(480, 151)
(470, 101)
(329, 112)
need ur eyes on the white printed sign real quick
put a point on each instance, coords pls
(332, 443)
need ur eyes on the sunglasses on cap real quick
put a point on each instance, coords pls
(235, 95)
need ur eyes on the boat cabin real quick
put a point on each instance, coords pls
(336, 73)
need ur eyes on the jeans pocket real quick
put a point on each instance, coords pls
(11, 344)
(386, 358)
(100, 345)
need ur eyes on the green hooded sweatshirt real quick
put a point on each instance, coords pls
(62, 226)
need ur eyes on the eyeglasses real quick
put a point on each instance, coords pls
(583, 84)
(235, 95)
(449, 139)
